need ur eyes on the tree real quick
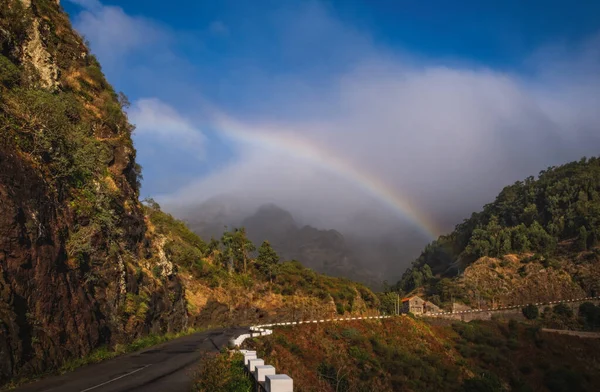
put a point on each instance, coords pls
(267, 260)
(590, 314)
(427, 274)
(531, 312)
(241, 248)
(227, 254)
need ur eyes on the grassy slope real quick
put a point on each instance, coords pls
(404, 354)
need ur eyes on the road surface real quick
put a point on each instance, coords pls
(166, 367)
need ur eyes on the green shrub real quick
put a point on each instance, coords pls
(590, 314)
(9, 73)
(487, 382)
(531, 312)
(563, 310)
(222, 373)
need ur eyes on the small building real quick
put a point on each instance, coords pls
(417, 305)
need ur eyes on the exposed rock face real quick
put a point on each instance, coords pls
(75, 251)
(37, 56)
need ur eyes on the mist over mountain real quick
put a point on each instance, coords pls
(368, 245)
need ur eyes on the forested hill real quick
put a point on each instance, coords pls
(556, 216)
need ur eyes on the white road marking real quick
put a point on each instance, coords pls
(115, 379)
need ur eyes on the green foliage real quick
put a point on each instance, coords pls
(563, 310)
(15, 19)
(388, 302)
(487, 382)
(531, 312)
(223, 373)
(528, 216)
(590, 314)
(236, 250)
(267, 261)
(9, 73)
(136, 306)
(53, 133)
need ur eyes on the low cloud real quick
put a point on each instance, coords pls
(160, 124)
(112, 32)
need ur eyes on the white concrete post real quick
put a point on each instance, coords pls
(253, 363)
(261, 371)
(279, 383)
(248, 356)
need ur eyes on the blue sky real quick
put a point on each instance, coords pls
(436, 99)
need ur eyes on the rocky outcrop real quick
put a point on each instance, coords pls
(76, 257)
(36, 55)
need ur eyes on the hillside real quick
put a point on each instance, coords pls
(538, 239)
(84, 265)
(406, 354)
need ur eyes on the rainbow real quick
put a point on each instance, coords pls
(304, 149)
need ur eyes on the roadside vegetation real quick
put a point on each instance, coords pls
(222, 372)
(562, 316)
(406, 354)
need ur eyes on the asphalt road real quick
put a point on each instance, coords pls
(166, 367)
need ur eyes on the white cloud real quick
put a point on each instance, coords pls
(87, 4)
(113, 33)
(158, 122)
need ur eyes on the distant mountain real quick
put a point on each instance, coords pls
(325, 251)
(322, 250)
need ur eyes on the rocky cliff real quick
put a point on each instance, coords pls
(73, 240)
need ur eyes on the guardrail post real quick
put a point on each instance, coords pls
(248, 356)
(253, 363)
(279, 383)
(260, 371)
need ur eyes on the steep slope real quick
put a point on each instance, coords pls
(551, 226)
(404, 354)
(72, 232)
(83, 264)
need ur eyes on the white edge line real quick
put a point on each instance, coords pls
(115, 379)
